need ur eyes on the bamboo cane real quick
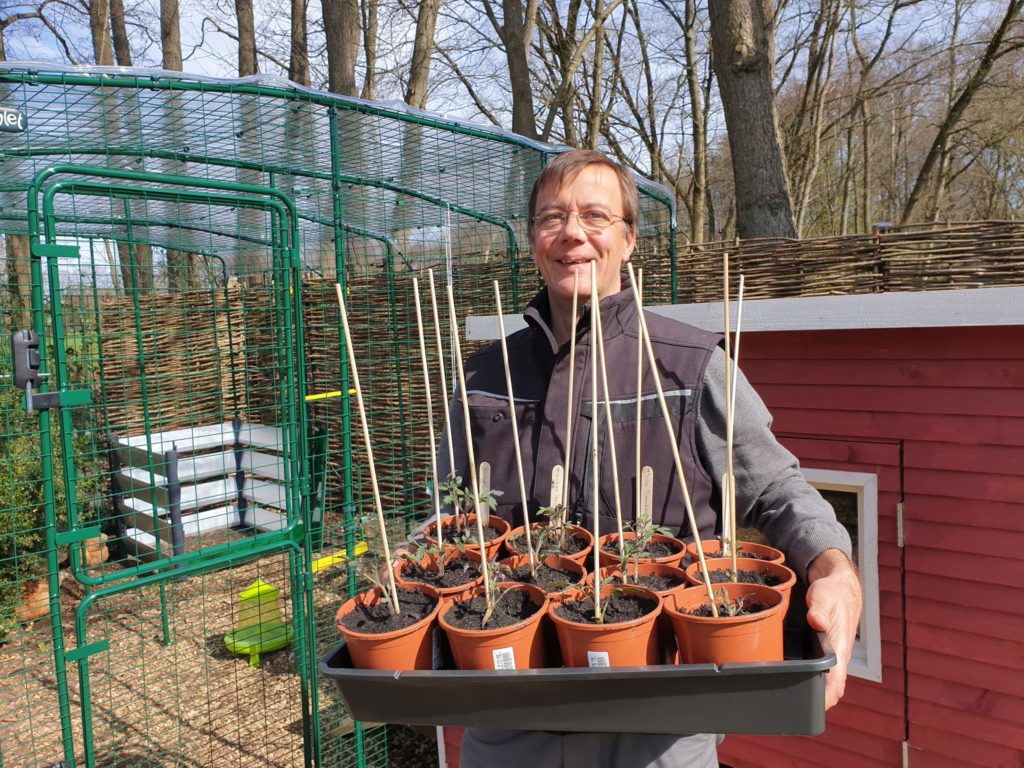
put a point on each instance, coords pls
(444, 390)
(595, 484)
(672, 443)
(639, 393)
(732, 423)
(392, 588)
(568, 411)
(597, 337)
(730, 490)
(515, 430)
(488, 597)
(430, 413)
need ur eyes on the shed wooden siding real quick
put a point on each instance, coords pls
(953, 398)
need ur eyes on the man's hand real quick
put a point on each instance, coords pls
(833, 607)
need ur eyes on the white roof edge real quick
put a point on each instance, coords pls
(922, 309)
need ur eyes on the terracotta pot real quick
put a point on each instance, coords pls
(473, 550)
(713, 548)
(786, 577)
(516, 544)
(666, 634)
(627, 644)
(553, 561)
(519, 646)
(612, 540)
(754, 637)
(429, 562)
(407, 648)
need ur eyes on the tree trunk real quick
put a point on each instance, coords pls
(247, 64)
(170, 35)
(516, 31)
(122, 48)
(743, 52)
(341, 25)
(136, 266)
(99, 26)
(592, 134)
(423, 47)
(298, 60)
(19, 279)
(699, 185)
(369, 11)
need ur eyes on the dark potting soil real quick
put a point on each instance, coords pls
(469, 534)
(654, 581)
(459, 571)
(655, 549)
(549, 579)
(741, 553)
(617, 609)
(570, 544)
(378, 619)
(512, 607)
(748, 609)
(721, 575)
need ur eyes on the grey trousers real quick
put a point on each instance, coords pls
(485, 748)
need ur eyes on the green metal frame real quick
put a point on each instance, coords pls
(292, 538)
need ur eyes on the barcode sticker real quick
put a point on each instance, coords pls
(504, 658)
(597, 659)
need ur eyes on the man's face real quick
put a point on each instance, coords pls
(561, 253)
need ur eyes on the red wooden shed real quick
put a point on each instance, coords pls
(915, 403)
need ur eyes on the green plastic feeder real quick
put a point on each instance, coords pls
(260, 628)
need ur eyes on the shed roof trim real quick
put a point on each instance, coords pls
(923, 309)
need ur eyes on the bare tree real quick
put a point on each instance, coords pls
(743, 50)
(368, 9)
(247, 63)
(341, 26)
(993, 51)
(516, 31)
(423, 47)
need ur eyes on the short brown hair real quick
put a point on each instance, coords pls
(568, 165)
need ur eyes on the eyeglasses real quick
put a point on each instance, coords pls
(591, 221)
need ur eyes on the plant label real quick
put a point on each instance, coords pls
(557, 473)
(504, 658)
(598, 659)
(485, 488)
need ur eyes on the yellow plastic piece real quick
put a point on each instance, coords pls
(338, 557)
(260, 627)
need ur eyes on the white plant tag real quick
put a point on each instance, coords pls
(504, 658)
(646, 515)
(597, 659)
(557, 472)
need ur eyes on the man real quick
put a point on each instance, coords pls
(584, 209)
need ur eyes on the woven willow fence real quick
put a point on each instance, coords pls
(930, 257)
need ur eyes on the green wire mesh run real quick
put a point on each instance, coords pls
(199, 313)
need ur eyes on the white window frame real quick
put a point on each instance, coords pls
(866, 661)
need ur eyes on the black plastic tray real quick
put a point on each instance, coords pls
(785, 697)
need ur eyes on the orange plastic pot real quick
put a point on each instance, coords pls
(611, 540)
(519, 646)
(713, 548)
(553, 561)
(726, 640)
(473, 550)
(786, 576)
(516, 543)
(627, 644)
(407, 648)
(429, 562)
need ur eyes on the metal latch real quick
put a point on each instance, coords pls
(27, 376)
